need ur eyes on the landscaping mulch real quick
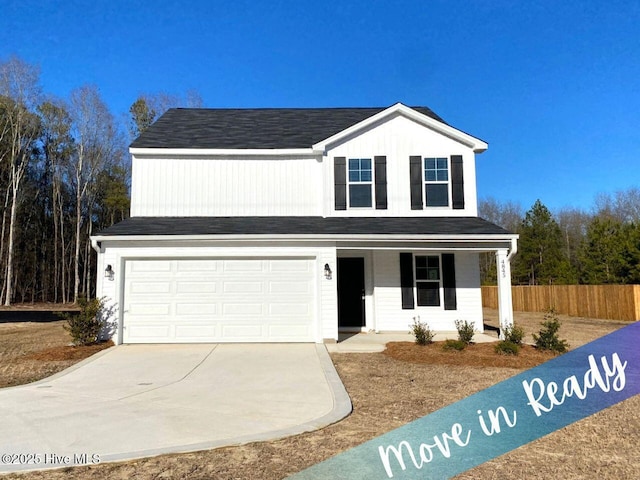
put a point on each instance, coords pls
(474, 355)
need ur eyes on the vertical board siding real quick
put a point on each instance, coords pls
(389, 313)
(399, 138)
(226, 187)
(328, 293)
(609, 302)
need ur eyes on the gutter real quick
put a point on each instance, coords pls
(95, 243)
(306, 237)
(223, 152)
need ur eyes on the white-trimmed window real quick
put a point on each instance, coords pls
(428, 280)
(360, 183)
(436, 181)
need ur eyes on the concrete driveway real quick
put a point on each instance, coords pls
(134, 401)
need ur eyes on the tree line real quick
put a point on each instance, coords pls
(64, 175)
(572, 246)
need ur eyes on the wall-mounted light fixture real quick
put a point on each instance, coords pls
(109, 273)
(327, 271)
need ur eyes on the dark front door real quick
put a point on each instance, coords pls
(351, 292)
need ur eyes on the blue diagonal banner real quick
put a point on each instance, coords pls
(501, 418)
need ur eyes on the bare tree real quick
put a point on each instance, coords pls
(623, 205)
(574, 224)
(97, 144)
(57, 147)
(507, 215)
(19, 128)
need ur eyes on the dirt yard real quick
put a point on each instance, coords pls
(386, 393)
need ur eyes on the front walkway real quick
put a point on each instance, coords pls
(375, 342)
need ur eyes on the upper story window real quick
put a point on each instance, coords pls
(436, 181)
(360, 182)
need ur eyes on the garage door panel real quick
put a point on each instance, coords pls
(289, 288)
(242, 309)
(151, 266)
(283, 332)
(148, 309)
(141, 331)
(243, 287)
(196, 288)
(197, 266)
(287, 310)
(286, 266)
(197, 309)
(219, 300)
(243, 265)
(150, 288)
(195, 332)
(242, 332)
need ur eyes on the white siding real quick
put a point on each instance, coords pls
(328, 295)
(388, 306)
(398, 139)
(266, 186)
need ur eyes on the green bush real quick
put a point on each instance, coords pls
(85, 327)
(514, 334)
(465, 331)
(457, 345)
(424, 335)
(547, 338)
(506, 347)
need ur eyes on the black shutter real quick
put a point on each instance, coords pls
(449, 281)
(340, 182)
(457, 182)
(415, 173)
(406, 280)
(381, 182)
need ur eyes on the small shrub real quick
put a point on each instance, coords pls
(457, 345)
(465, 331)
(514, 334)
(85, 327)
(506, 347)
(424, 335)
(547, 338)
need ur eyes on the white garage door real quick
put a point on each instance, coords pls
(219, 300)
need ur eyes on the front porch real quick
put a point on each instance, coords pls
(384, 287)
(372, 342)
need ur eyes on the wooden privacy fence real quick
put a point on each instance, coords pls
(613, 302)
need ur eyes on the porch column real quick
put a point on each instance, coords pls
(505, 305)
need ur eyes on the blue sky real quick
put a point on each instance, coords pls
(552, 86)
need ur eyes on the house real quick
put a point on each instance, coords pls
(290, 225)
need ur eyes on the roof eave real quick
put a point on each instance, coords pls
(224, 152)
(477, 145)
(312, 237)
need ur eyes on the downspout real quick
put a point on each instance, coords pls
(514, 249)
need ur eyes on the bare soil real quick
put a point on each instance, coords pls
(389, 390)
(32, 351)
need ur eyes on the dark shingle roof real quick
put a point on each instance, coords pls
(253, 128)
(304, 226)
